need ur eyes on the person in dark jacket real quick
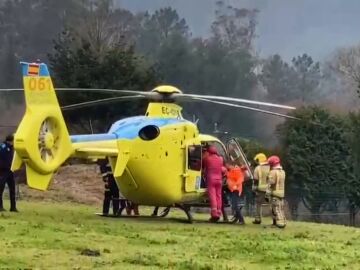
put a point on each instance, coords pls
(6, 175)
(112, 192)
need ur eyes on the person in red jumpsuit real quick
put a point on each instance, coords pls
(213, 166)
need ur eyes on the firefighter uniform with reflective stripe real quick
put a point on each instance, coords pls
(111, 189)
(261, 173)
(276, 192)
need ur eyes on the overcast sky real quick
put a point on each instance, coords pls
(287, 27)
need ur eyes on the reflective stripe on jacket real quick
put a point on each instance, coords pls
(276, 182)
(261, 173)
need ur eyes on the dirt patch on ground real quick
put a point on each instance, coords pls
(72, 183)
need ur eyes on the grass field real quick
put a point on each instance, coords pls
(70, 236)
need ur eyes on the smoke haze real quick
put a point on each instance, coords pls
(286, 27)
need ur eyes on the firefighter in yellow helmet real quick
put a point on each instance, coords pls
(275, 191)
(260, 184)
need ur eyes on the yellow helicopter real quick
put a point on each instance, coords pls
(155, 158)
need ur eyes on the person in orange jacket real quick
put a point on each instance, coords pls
(235, 179)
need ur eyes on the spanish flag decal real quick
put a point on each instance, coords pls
(33, 70)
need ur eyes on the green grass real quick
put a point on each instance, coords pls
(62, 236)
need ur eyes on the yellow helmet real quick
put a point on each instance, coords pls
(260, 158)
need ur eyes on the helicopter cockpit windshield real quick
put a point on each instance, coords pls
(237, 156)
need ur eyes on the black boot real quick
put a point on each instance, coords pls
(13, 206)
(241, 219)
(214, 219)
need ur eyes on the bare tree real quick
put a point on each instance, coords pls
(235, 27)
(104, 27)
(347, 63)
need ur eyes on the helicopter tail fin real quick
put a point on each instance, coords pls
(42, 140)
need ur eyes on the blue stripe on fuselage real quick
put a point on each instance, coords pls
(92, 137)
(126, 129)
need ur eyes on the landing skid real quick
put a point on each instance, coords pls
(184, 207)
(187, 210)
(163, 214)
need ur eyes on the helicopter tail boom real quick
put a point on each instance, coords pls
(42, 140)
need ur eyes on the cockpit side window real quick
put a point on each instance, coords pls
(194, 157)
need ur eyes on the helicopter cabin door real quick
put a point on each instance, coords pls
(236, 155)
(192, 175)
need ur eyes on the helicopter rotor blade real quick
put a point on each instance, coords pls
(82, 90)
(247, 108)
(118, 91)
(185, 96)
(113, 91)
(159, 96)
(11, 89)
(99, 102)
(231, 99)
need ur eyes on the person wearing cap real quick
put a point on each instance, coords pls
(6, 175)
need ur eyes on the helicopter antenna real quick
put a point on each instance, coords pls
(195, 120)
(216, 130)
(91, 127)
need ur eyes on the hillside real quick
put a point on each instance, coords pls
(75, 183)
(69, 236)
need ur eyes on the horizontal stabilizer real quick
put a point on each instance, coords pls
(36, 180)
(94, 151)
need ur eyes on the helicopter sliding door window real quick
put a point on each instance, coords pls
(192, 175)
(194, 157)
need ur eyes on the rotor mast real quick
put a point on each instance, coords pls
(165, 106)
